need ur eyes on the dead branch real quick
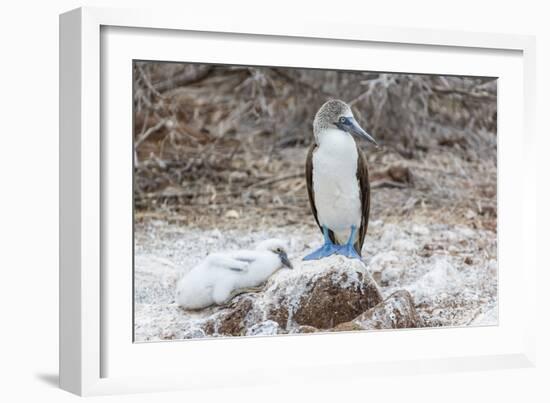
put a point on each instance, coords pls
(186, 77)
(484, 95)
(148, 132)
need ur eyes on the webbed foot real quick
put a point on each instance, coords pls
(348, 251)
(324, 251)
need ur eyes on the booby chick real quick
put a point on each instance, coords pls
(220, 276)
(338, 181)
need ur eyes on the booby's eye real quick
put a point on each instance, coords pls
(278, 250)
(342, 119)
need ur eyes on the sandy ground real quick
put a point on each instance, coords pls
(451, 270)
(434, 235)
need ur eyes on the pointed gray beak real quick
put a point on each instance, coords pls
(284, 260)
(351, 126)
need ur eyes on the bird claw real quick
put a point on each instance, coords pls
(324, 251)
(348, 250)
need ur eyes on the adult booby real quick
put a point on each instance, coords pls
(338, 181)
(220, 276)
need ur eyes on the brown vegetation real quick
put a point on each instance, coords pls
(227, 143)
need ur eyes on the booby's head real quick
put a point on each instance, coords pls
(278, 247)
(337, 115)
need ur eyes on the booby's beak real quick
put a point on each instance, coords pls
(351, 126)
(284, 260)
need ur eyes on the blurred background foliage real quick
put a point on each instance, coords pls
(222, 139)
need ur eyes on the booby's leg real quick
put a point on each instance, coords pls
(327, 249)
(348, 249)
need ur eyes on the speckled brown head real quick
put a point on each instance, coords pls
(336, 114)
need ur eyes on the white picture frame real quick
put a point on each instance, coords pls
(96, 356)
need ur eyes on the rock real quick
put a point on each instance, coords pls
(322, 294)
(400, 173)
(396, 312)
(230, 321)
(420, 229)
(237, 176)
(383, 260)
(440, 276)
(316, 295)
(232, 214)
(194, 333)
(347, 327)
(390, 274)
(266, 328)
(306, 329)
(333, 294)
(404, 244)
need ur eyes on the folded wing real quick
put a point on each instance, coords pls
(236, 261)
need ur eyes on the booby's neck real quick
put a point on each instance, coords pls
(335, 140)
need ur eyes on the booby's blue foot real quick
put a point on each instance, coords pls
(326, 250)
(348, 250)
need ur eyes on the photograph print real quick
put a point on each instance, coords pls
(283, 201)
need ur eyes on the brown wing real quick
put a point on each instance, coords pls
(309, 182)
(364, 189)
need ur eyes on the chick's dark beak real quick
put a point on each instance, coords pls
(284, 260)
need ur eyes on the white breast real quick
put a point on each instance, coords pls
(335, 184)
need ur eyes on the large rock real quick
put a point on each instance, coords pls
(230, 320)
(323, 297)
(334, 294)
(396, 312)
(315, 295)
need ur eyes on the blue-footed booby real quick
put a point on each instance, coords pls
(338, 181)
(221, 276)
